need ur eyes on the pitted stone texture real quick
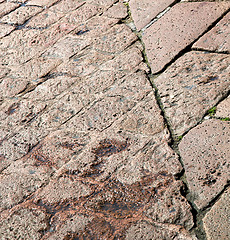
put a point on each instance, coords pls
(118, 100)
(7, 7)
(217, 39)
(44, 19)
(191, 86)
(67, 226)
(223, 109)
(20, 15)
(145, 230)
(66, 6)
(10, 87)
(115, 39)
(118, 10)
(205, 152)
(24, 223)
(5, 29)
(25, 176)
(143, 12)
(216, 221)
(167, 37)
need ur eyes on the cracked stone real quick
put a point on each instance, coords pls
(5, 30)
(9, 87)
(20, 15)
(223, 109)
(66, 6)
(115, 39)
(216, 221)
(7, 7)
(148, 231)
(143, 12)
(217, 38)
(168, 36)
(118, 10)
(205, 152)
(191, 86)
(44, 19)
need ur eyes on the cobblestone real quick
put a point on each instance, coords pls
(168, 36)
(216, 39)
(216, 221)
(205, 153)
(87, 145)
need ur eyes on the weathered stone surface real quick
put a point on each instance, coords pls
(66, 6)
(25, 176)
(148, 231)
(118, 10)
(115, 39)
(10, 87)
(146, 10)
(20, 15)
(216, 221)
(44, 19)
(7, 7)
(191, 86)
(5, 29)
(168, 36)
(24, 223)
(217, 38)
(223, 109)
(205, 152)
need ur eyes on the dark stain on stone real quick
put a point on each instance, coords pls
(108, 147)
(82, 32)
(13, 108)
(71, 146)
(52, 209)
(41, 160)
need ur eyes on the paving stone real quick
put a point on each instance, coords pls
(24, 223)
(191, 86)
(20, 15)
(223, 109)
(9, 87)
(7, 7)
(94, 27)
(17, 113)
(20, 142)
(44, 19)
(35, 68)
(120, 99)
(16, 48)
(67, 228)
(115, 39)
(66, 6)
(205, 152)
(25, 176)
(168, 36)
(5, 29)
(216, 221)
(118, 10)
(143, 12)
(148, 231)
(82, 64)
(217, 38)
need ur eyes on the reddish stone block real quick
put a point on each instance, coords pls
(217, 39)
(177, 29)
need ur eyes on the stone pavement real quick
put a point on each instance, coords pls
(114, 119)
